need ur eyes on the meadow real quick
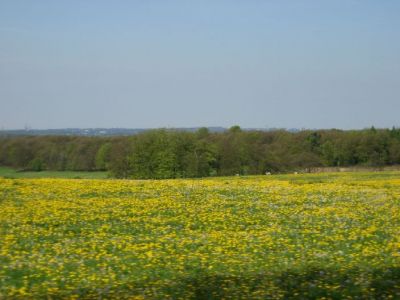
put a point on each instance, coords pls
(314, 236)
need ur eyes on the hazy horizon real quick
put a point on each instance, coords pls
(27, 128)
(258, 64)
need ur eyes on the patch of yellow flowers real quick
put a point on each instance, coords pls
(242, 237)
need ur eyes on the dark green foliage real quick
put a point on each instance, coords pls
(307, 283)
(176, 154)
(119, 165)
(36, 164)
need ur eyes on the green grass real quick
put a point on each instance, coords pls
(11, 173)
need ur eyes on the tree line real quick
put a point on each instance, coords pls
(177, 154)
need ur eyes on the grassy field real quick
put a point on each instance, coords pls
(11, 173)
(316, 236)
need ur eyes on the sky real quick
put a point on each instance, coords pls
(157, 63)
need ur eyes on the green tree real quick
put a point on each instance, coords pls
(103, 156)
(119, 165)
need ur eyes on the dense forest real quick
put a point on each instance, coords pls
(175, 154)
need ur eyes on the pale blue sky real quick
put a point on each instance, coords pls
(157, 63)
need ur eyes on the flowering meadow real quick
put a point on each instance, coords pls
(319, 236)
